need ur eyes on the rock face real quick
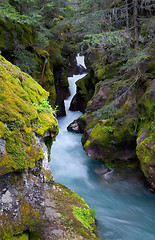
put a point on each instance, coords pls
(42, 210)
(20, 118)
(32, 205)
(85, 89)
(119, 122)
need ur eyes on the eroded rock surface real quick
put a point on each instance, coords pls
(43, 210)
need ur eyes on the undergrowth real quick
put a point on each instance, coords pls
(45, 106)
(84, 216)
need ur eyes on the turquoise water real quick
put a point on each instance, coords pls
(125, 208)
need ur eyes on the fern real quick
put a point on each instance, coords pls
(107, 111)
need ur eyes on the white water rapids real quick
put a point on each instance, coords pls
(125, 208)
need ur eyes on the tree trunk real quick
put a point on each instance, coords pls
(115, 14)
(135, 16)
(43, 70)
(127, 15)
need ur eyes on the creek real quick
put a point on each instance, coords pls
(125, 209)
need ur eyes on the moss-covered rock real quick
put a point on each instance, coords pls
(111, 142)
(146, 134)
(122, 129)
(9, 30)
(20, 118)
(41, 212)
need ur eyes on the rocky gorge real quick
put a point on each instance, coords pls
(32, 205)
(38, 47)
(118, 120)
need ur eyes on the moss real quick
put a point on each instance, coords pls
(42, 53)
(44, 122)
(9, 30)
(146, 153)
(146, 134)
(34, 236)
(21, 237)
(28, 218)
(100, 135)
(67, 203)
(99, 70)
(29, 215)
(49, 84)
(146, 146)
(86, 86)
(55, 52)
(2, 127)
(146, 105)
(18, 92)
(111, 70)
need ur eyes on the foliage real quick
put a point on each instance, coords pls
(25, 59)
(135, 58)
(152, 126)
(45, 106)
(7, 10)
(107, 111)
(93, 212)
(84, 216)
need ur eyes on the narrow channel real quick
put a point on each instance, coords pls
(125, 209)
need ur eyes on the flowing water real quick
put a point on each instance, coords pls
(125, 209)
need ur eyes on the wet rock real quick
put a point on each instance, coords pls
(101, 171)
(74, 127)
(100, 97)
(6, 198)
(85, 90)
(2, 147)
(80, 70)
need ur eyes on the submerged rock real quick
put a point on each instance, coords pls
(101, 171)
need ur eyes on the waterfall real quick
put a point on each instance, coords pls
(80, 61)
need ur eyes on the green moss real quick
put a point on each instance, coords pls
(44, 122)
(2, 127)
(146, 154)
(111, 70)
(55, 52)
(21, 237)
(42, 53)
(9, 30)
(99, 71)
(100, 135)
(146, 146)
(86, 86)
(18, 92)
(34, 236)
